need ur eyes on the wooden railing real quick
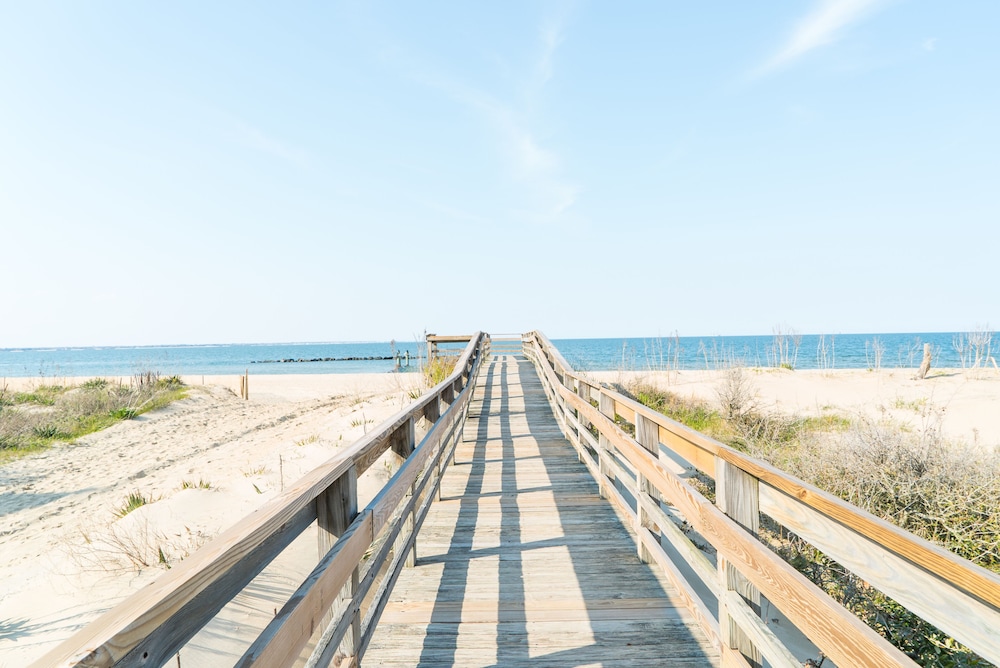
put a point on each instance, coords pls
(645, 476)
(336, 608)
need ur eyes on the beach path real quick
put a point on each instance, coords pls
(521, 562)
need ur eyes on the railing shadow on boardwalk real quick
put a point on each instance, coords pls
(600, 552)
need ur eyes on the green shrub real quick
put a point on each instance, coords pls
(51, 413)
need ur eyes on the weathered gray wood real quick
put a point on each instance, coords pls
(759, 635)
(154, 623)
(335, 510)
(965, 581)
(606, 404)
(694, 557)
(522, 559)
(837, 632)
(969, 620)
(736, 495)
(282, 641)
(647, 434)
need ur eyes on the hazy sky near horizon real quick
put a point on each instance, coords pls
(239, 172)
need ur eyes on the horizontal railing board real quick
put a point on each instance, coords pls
(116, 633)
(835, 630)
(968, 620)
(282, 641)
(156, 621)
(701, 450)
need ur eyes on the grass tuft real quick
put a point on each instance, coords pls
(134, 500)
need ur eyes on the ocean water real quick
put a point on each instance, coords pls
(259, 358)
(842, 351)
(806, 351)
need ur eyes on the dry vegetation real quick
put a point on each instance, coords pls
(942, 491)
(439, 368)
(46, 414)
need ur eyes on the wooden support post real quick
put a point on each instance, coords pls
(567, 381)
(647, 433)
(583, 390)
(606, 404)
(432, 411)
(737, 495)
(335, 510)
(403, 441)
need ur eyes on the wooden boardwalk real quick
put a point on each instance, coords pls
(522, 563)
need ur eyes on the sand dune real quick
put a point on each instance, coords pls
(68, 557)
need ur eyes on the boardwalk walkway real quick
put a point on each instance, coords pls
(522, 563)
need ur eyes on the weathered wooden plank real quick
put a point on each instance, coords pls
(522, 541)
(694, 557)
(154, 616)
(284, 638)
(966, 618)
(837, 632)
(686, 593)
(700, 451)
(761, 637)
(736, 495)
(335, 511)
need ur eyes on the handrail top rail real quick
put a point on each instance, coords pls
(970, 577)
(185, 581)
(451, 338)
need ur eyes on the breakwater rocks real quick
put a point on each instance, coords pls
(371, 358)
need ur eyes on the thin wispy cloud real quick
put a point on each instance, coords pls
(551, 37)
(256, 139)
(531, 163)
(823, 26)
(536, 167)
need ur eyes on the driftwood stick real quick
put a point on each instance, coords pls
(925, 365)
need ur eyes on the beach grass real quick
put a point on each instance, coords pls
(942, 491)
(439, 368)
(34, 420)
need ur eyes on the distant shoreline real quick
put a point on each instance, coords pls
(786, 349)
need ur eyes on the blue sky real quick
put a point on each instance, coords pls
(243, 172)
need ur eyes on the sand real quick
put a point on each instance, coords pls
(67, 557)
(961, 404)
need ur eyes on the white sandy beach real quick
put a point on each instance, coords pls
(66, 553)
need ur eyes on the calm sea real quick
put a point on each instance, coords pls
(843, 351)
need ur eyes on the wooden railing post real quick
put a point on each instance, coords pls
(448, 395)
(606, 404)
(567, 381)
(647, 433)
(583, 390)
(402, 442)
(737, 495)
(335, 510)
